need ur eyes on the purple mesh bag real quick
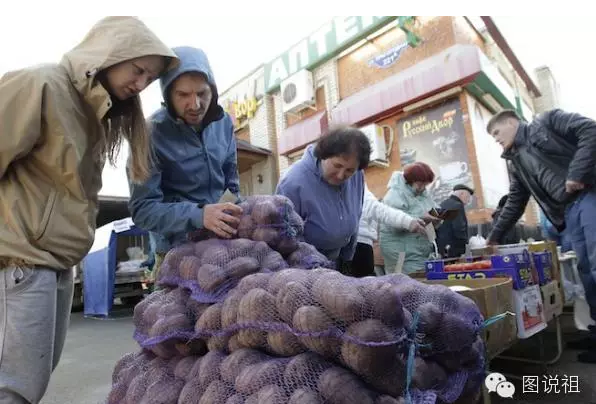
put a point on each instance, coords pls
(246, 376)
(357, 323)
(268, 218)
(307, 256)
(164, 324)
(211, 268)
(146, 379)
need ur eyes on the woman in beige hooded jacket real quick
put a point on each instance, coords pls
(58, 123)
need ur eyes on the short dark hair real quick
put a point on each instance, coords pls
(344, 140)
(500, 117)
(418, 172)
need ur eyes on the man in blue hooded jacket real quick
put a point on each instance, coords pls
(195, 160)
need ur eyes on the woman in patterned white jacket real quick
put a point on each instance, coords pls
(375, 212)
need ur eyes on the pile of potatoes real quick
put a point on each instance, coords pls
(245, 376)
(239, 322)
(357, 323)
(211, 267)
(363, 324)
(269, 218)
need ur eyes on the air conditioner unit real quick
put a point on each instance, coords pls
(376, 137)
(298, 92)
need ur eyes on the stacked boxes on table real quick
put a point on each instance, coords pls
(516, 266)
(535, 293)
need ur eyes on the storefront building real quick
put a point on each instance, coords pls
(422, 88)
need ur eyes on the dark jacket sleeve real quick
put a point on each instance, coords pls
(581, 130)
(512, 211)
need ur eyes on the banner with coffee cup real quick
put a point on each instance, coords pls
(436, 136)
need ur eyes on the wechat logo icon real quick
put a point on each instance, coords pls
(497, 383)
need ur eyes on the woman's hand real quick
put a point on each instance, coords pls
(428, 218)
(417, 226)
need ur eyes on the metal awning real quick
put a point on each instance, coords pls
(302, 133)
(248, 155)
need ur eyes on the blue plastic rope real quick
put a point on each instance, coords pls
(496, 318)
(411, 357)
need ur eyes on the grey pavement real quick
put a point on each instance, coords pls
(93, 347)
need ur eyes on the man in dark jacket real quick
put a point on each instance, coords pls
(452, 235)
(553, 159)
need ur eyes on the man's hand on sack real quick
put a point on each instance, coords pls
(417, 226)
(573, 186)
(222, 218)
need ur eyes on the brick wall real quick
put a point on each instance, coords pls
(465, 34)
(259, 135)
(354, 72)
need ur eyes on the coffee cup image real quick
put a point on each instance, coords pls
(452, 171)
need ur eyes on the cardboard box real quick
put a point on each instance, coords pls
(544, 266)
(539, 246)
(553, 301)
(516, 266)
(493, 297)
(551, 246)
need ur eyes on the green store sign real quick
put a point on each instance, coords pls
(329, 40)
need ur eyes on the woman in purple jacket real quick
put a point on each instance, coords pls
(327, 189)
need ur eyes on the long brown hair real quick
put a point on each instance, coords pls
(125, 120)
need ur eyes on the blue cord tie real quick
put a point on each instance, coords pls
(496, 318)
(411, 357)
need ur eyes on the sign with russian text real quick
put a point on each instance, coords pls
(327, 41)
(437, 137)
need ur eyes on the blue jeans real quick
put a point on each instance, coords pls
(580, 218)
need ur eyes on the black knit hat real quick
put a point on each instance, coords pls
(462, 187)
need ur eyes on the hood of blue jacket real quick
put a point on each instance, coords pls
(193, 60)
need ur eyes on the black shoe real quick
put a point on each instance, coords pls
(587, 357)
(583, 344)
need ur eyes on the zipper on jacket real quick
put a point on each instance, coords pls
(206, 159)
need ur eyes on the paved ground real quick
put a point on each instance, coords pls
(93, 347)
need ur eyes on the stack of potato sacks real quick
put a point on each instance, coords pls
(264, 319)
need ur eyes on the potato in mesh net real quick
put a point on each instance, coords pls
(212, 267)
(361, 324)
(164, 323)
(447, 321)
(306, 256)
(268, 218)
